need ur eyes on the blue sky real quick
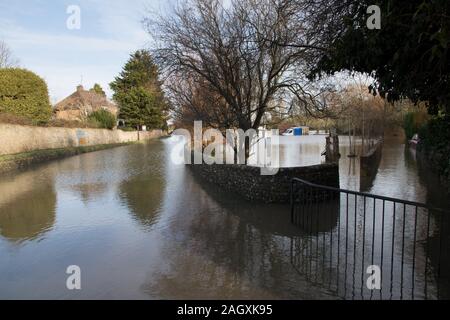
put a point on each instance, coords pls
(36, 32)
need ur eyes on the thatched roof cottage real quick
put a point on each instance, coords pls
(81, 103)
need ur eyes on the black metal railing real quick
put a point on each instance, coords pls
(345, 232)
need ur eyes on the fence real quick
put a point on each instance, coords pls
(345, 232)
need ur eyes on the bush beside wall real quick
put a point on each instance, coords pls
(435, 145)
(24, 94)
(104, 118)
(413, 121)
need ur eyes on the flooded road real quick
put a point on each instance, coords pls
(141, 227)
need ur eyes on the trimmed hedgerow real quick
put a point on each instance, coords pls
(24, 94)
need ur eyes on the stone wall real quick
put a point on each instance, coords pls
(18, 139)
(248, 182)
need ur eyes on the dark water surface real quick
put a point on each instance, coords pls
(142, 227)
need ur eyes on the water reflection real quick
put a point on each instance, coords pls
(226, 248)
(27, 206)
(142, 198)
(435, 195)
(89, 191)
(159, 232)
(301, 151)
(368, 170)
(318, 212)
(269, 218)
(142, 192)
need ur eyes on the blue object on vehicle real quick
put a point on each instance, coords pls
(297, 131)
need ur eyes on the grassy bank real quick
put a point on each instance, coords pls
(23, 160)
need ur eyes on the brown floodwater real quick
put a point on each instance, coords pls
(141, 227)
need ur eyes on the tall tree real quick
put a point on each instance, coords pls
(138, 92)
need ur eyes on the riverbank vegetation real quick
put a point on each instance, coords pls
(414, 120)
(435, 145)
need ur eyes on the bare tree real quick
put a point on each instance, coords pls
(235, 55)
(194, 99)
(7, 59)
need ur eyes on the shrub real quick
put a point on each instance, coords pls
(14, 119)
(413, 121)
(127, 129)
(24, 94)
(434, 141)
(104, 118)
(72, 123)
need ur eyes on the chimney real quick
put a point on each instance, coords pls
(80, 88)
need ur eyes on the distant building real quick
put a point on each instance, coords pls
(81, 103)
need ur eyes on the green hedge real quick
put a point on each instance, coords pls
(104, 118)
(24, 94)
(435, 142)
(413, 121)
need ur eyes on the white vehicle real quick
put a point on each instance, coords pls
(296, 131)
